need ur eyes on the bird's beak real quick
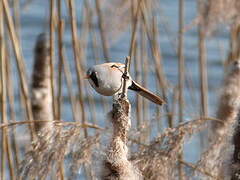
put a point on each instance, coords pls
(86, 77)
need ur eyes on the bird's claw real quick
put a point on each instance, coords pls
(125, 76)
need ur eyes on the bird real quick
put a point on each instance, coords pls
(107, 80)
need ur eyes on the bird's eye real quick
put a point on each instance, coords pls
(94, 78)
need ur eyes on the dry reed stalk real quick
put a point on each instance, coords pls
(20, 63)
(68, 77)
(174, 103)
(116, 164)
(134, 28)
(16, 16)
(77, 58)
(145, 69)
(67, 72)
(6, 145)
(203, 72)
(56, 123)
(10, 94)
(52, 49)
(181, 74)
(102, 31)
(234, 44)
(203, 75)
(195, 168)
(3, 139)
(137, 67)
(156, 52)
(83, 48)
(41, 85)
(217, 157)
(60, 68)
(96, 55)
(95, 50)
(61, 57)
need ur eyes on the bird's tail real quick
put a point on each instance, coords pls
(146, 93)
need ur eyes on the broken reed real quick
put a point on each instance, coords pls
(42, 99)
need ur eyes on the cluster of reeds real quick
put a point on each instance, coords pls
(74, 146)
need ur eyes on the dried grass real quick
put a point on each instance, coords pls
(159, 160)
(46, 155)
(218, 157)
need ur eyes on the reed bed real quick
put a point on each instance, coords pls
(53, 126)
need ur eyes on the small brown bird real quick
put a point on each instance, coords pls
(107, 80)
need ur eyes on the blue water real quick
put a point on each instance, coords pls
(34, 20)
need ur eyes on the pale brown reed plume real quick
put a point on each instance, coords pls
(217, 157)
(160, 159)
(6, 150)
(116, 164)
(41, 85)
(20, 64)
(215, 12)
(46, 155)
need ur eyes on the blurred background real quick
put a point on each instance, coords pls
(179, 50)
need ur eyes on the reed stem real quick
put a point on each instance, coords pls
(181, 74)
(77, 56)
(20, 64)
